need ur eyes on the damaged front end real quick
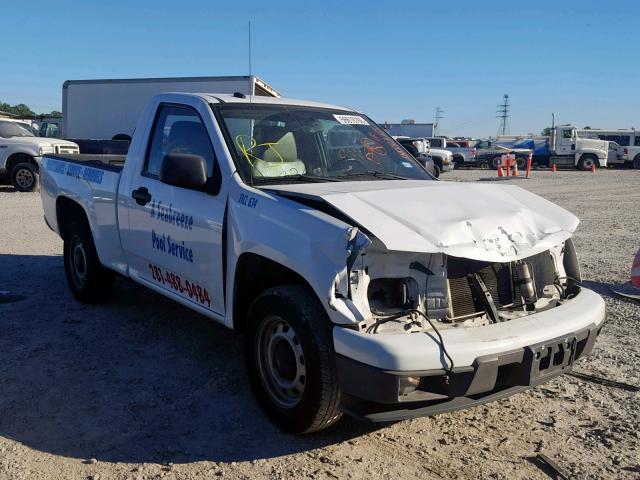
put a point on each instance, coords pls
(473, 331)
(455, 292)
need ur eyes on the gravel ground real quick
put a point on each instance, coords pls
(143, 388)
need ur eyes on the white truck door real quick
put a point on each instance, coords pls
(565, 140)
(173, 241)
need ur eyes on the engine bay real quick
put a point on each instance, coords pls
(411, 292)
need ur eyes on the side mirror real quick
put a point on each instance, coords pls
(183, 170)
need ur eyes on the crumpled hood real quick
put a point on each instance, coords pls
(489, 222)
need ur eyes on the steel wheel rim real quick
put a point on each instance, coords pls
(588, 162)
(281, 362)
(24, 178)
(78, 261)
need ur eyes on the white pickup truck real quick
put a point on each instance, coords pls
(20, 151)
(307, 228)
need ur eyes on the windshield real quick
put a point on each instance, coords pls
(296, 144)
(13, 129)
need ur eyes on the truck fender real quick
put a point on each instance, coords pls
(293, 242)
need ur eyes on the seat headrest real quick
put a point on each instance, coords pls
(284, 150)
(342, 136)
(188, 137)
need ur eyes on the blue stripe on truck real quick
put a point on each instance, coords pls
(75, 170)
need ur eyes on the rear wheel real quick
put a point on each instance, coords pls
(521, 162)
(24, 177)
(290, 359)
(586, 162)
(495, 162)
(88, 280)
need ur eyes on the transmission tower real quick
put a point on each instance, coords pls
(503, 114)
(437, 118)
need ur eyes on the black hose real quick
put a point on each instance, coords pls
(374, 328)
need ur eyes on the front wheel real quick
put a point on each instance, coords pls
(88, 280)
(24, 177)
(636, 162)
(290, 359)
(436, 171)
(586, 162)
(495, 162)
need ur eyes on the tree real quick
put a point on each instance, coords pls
(546, 132)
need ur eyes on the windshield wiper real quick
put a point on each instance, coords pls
(292, 179)
(373, 173)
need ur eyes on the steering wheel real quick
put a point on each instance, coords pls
(349, 165)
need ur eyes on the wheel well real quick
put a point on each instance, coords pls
(67, 211)
(17, 158)
(592, 155)
(254, 275)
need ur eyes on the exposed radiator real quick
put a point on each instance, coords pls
(499, 278)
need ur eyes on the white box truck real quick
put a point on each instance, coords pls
(109, 109)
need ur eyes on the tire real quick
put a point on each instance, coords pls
(290, 359)
(495, 162)
(636, 162)
(586, 161)
(521, 162)
(436, 171)
(24, 177)
(88, 280)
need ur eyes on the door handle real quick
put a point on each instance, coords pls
(141, 196)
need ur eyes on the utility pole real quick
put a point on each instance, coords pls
(437, 118)
(503, 114)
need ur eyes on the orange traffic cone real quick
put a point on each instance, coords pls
(500, 172)
(593, 168)
(554, 169)
(632, 288)
(515, 169)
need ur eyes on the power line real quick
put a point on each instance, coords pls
(503, 114)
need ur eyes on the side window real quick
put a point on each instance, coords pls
(177, 130)
(637, 141)
(566, 133)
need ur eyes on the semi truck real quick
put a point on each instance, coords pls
(568, 149)
(307, 228)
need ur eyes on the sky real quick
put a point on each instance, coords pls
(391, 60)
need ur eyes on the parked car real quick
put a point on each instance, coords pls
(461, 155)
(419, 150)
(361, 285)
(442, 159)
(20, 151)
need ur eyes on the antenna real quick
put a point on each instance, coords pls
(503, 114)
(437, 118)
(249, 47)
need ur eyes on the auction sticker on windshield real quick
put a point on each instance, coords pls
(350, 119)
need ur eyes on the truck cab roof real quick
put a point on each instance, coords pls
(258, 99)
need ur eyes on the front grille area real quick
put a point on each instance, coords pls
(66, 149)
(499, 278)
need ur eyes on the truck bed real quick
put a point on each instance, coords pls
(113, 163)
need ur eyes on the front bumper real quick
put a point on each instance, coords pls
(494, 365)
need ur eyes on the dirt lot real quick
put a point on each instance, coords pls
(143, 388)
